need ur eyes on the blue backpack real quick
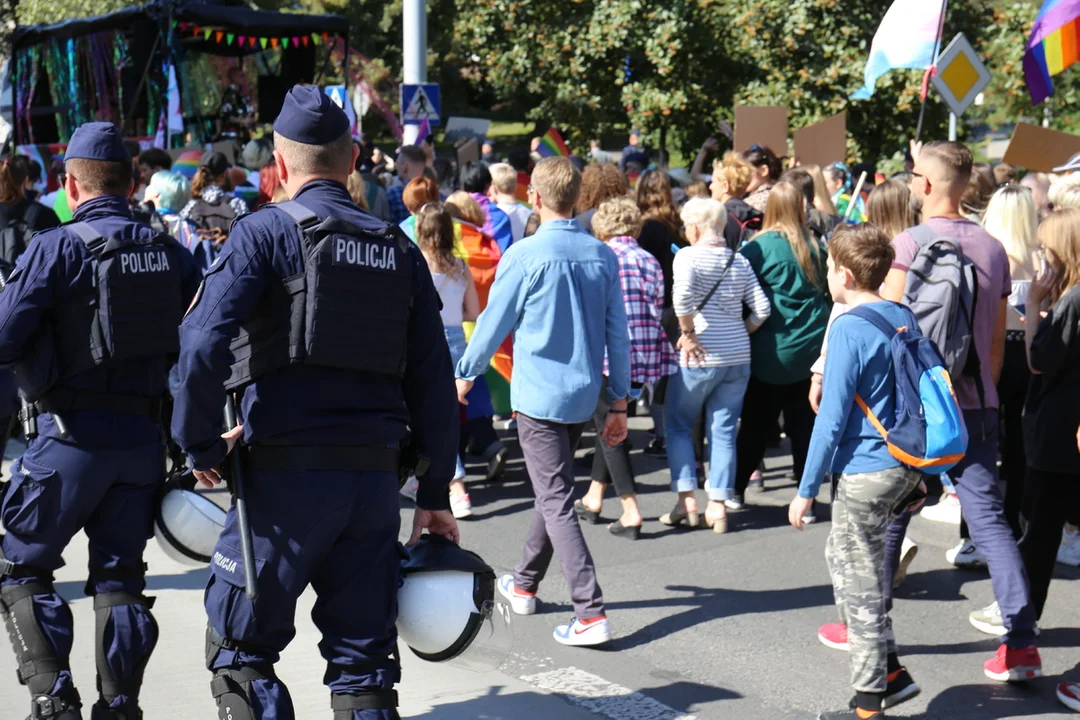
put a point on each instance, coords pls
(928, 432)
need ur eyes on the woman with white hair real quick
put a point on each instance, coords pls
(712, 283)
(168, 192)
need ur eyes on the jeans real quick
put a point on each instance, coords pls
(976, 480)
(719, 391)
(455, 339)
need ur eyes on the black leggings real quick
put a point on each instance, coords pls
(761, 409)
(1049, 499)
(611, 464)
(1012, 390)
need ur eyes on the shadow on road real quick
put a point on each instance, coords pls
(706, 604)
(194, 579)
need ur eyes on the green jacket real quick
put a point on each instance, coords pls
(786, 346)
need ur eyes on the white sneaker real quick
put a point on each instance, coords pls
(735, 503)
(521, 603)
(596, 632)
(965, 555)
(989, 621)
(461, 506)
(947, 510)
(908, 551)
(1069, 552)
(410, 487)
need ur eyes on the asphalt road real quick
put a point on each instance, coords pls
(724, 626)
(707, 626)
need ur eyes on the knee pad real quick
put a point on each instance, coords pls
(38, 665)
(344, 705)
(231, 688)
(109, 686)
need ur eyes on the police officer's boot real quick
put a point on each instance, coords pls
(62, 706)
(102, 711)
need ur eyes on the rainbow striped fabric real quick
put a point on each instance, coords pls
(1053, 46)
(186, 163)
(552, 145)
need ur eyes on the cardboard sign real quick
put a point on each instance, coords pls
(1036, 148)
(468, 151)
(765, 125)
(466, 127)
(822, 143)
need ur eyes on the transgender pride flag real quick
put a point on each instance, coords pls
(1052, 47)
(906, 38)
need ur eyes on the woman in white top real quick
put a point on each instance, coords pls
(711, 285)
(1012, 219)
(460, 303)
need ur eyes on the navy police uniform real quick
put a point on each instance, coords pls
(329, 329)
(88, 321)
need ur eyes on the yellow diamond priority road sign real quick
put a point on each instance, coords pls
(960, 76)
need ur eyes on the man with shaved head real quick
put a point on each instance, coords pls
(939, 179)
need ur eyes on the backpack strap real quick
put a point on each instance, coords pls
(874, 318)
(91, 238)
(301, 215)
(33, 210)
(923, 235)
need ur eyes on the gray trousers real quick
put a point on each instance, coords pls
(549, 457)
(864, 505)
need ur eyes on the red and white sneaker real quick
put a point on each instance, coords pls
(594, 631)
(1069, 695)
(1012, 665)
(521, 602)
(833, 635)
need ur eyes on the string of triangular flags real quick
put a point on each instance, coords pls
(228, 38)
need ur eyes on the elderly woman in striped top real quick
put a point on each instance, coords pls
(712, 283)
(618, 222)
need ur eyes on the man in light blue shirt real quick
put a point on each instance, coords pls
(559, 293)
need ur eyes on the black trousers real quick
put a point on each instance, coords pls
(1012, 389)
(1049, 500)
(611, 464)
(761, 409)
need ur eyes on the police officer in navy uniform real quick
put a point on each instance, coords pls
(325, 322)
(89, 321)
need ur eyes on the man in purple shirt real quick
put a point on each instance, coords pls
(940, 177)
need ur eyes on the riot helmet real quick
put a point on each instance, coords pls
(186, 523)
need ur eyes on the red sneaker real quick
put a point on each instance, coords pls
(833, 635)
(1010, 664)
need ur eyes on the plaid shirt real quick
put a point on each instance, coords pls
(651, 354)
(398, 211)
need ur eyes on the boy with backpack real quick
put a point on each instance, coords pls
(857, 439)
(955, 278)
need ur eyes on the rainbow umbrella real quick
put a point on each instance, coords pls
(187, 163)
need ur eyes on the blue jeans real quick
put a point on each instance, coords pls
(719, 392)
(455, 339)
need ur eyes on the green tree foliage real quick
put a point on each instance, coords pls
(34, 12)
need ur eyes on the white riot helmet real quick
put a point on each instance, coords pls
(447, 610)
(187, 524)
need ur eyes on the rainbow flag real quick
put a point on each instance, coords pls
(482, 254)
(552, 145)
(187, 162)
(1052, 47)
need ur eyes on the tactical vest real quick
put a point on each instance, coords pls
(348, 308)
(213, 216)
(134, 309)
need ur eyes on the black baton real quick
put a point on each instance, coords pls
(246, 545)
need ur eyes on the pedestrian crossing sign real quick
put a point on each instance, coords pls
(960, 76)
(420, 103)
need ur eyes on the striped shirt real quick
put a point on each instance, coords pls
(720, 327)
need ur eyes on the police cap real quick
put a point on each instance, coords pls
(97, 141)
(309, 116)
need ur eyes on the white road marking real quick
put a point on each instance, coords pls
(597, 695)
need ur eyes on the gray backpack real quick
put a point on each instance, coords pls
(941, 289)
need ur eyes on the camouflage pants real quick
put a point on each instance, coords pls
(863, 506)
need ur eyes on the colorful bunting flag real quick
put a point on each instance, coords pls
(206, 33)
(229, 38)
(274, 43)
(196, 30)
(240, 41)
(262, 41)
(306, 40)
(296, 41)
(326, 37)
(315, 38)
(218, 35)
(252, 41)
(285, 42)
